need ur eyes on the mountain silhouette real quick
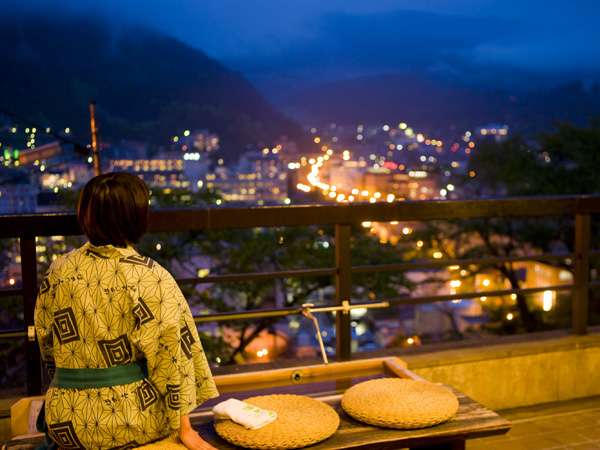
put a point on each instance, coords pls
(148, 86)
(437, 104)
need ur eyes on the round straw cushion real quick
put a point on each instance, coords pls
(301, 421)
(400, 403)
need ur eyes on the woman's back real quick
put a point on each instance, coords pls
(92, 292)
(117, 334)
(107, 308)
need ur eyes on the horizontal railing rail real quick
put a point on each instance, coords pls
(256, 276)
(14, 292)
(27, 227)
(436, 264)
(214, 218)
(408, 300)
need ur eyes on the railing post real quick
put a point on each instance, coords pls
(29, 280)
(582, 273)
(343, 288)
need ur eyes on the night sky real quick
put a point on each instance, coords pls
(496, 41)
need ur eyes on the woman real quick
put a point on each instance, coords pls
(117, 334)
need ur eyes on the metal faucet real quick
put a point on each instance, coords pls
(309, 308)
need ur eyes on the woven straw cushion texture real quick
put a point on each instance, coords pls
(301, 421)
(400, 403)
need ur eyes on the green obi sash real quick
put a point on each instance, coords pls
(99, 378)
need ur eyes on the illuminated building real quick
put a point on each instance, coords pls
(164, 171)
(199, 141)
(496, 131)
(346, 173)
(260, 177)
(39, 153)
(414, 185)
(69, 176)
(531, 274)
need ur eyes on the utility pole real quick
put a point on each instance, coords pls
(95, 142)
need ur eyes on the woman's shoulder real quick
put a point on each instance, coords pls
(145, 264)
(64, 261)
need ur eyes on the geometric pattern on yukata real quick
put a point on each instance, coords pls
(64, 435)
(187, 341)
(102, 307)
(116, 351)
(65, 326)
(142, 313)
(173, 396)
(147, 394)
(45, 286)
(143, 261)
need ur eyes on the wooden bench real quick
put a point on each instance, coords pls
(327, 383)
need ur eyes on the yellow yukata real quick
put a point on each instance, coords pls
(103, 307)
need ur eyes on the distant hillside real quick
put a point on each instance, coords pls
(436, 104)
(148, 86)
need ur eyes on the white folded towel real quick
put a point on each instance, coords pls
(247, 415)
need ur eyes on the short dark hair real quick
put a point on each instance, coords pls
(113, 209)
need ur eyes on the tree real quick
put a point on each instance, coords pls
(261, 250)
(565, 161)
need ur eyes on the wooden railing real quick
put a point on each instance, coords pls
(27, 227)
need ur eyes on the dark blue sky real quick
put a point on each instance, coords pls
(313, 40)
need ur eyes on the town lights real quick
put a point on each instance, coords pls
(548, 300)
(262, 352)
(352, 194)
(303, 187)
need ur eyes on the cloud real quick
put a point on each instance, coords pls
(501, 43)
(386, 41)
(340, 38)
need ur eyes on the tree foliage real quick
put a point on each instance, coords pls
(565, 161)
